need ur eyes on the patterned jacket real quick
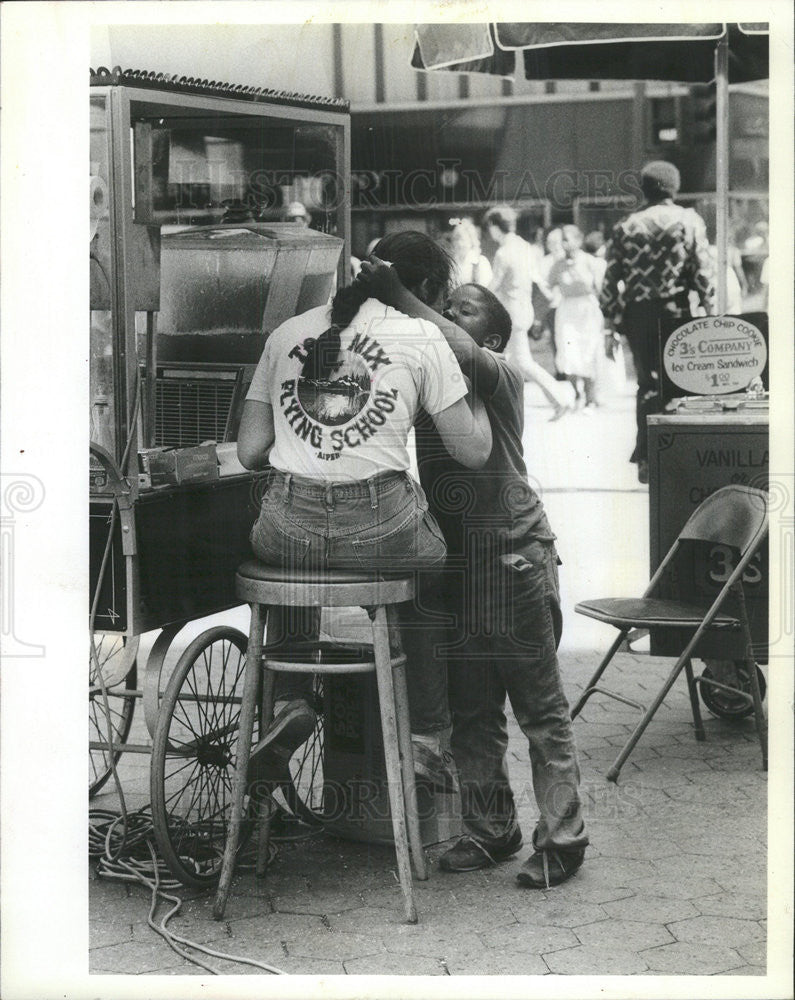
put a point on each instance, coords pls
(660, 252)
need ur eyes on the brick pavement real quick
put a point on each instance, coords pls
(674, 879)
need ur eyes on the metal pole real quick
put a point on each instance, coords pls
(722, 164)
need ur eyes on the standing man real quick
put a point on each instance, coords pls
(655, 258)
(512, 280)
(496, 620)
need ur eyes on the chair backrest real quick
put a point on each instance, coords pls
(733, 515)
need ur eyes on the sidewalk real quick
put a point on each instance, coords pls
(674, 882)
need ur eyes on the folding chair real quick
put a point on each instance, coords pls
(734, 516)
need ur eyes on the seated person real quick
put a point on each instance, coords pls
(330, 408)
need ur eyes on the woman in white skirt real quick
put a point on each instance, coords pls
(577, 277)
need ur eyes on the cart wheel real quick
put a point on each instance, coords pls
(722, 703)
(116, 658)
(304, 794)
(193, 756)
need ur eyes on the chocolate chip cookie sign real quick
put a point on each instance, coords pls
(714, 355)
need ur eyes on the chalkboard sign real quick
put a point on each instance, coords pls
(713, 355)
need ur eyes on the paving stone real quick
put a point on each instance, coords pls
(588, 961)
(691, 888)
(709, 930)
(317, 902)
(337, 945)
(731, 904)
(528, 938)
(375, 919)
(606, 730)
(686, 959)
(539, 909)
(428, 896)
(580, 891)
(636, 850)
(103, 932)
(650, 909)
(706, 795)
(273, 928)
(617, 871)
(657, 774)
(607, 752)
(629, 935)
(135, 957)
(748, 883)
(747, 970)
(725, 841)
(434, 942)
(502, 963)
(682, 866)
(285, 963)
(469, 917)
(107, 899)
(755, 952)
(394, 965)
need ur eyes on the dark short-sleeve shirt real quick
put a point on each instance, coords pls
(493, 507)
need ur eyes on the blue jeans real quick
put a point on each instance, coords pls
(379, 524)
(504, 626)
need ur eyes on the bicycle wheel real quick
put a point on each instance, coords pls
(116, 660)
(722, 703)
(304, 794)
(193, 756)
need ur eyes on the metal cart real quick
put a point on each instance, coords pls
(190, 271)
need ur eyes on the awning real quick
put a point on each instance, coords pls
(567, 51)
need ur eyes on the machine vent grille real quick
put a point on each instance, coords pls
(191, 410)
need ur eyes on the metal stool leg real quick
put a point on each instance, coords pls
(404, 742)
(386, 702)
(265, 810)
(247, 712)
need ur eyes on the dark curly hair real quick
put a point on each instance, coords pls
(416, 258)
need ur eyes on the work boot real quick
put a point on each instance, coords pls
(469, 854)
(290, 728)
(551, 867)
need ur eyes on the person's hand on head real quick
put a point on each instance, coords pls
(380, 279)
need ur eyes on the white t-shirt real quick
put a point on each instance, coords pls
(512, 280)
(355, 424)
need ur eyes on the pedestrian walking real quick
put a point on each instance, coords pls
(656, 256)
(512, 283)
(577, 277)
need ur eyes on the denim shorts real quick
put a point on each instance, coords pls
(381, 523)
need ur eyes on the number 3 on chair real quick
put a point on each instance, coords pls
(721, 565)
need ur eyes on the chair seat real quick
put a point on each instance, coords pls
(650, 612)
(256, 570)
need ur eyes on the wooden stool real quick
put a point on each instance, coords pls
(264, 586)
